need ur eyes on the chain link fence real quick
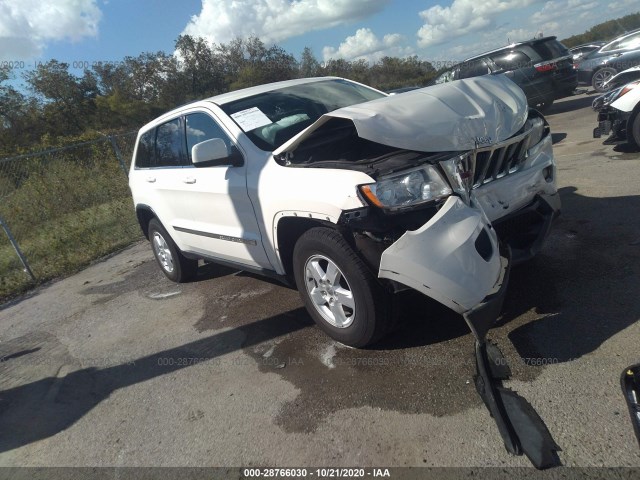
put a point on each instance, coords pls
(62, 208)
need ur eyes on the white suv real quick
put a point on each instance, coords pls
(352, 194)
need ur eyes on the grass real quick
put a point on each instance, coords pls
(65, 245)
(65, 209)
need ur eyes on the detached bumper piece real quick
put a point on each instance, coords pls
(521, 428)
(630, 381)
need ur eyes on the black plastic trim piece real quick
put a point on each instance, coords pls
(264, 272)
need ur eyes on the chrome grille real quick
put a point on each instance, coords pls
(499, 160)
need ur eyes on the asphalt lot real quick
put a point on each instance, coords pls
(117, 366)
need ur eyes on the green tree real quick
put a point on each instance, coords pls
(309, 66)
(67, 101)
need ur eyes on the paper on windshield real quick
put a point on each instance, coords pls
(251, 118)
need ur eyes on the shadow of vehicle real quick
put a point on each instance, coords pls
(557, 137)
(569, 105)
(43, 408)
(584, 283)
(626, 148)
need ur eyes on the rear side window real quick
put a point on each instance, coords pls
(201, 127)
(170, 145)
(628, 42)
(511, 60)
(145, 153)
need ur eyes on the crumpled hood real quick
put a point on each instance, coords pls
(453, 116)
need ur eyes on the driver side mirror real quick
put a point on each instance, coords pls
(214, 153)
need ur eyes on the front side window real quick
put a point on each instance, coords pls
(270, 119)
(201, 127)
(170, 144)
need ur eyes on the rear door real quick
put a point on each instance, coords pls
(160, 160)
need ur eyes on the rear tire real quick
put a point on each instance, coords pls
(340, 293)
(172, 262)
(601, 76)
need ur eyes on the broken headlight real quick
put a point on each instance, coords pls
(407, 189)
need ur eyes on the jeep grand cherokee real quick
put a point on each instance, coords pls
(352, 194)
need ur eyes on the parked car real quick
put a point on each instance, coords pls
(351, 194)
(624, 77)
(597, 67)
(580, 51)
(619, 116)
(543, 68)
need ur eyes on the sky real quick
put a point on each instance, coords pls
(82, 32)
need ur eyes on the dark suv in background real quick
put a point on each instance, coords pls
(542, 67)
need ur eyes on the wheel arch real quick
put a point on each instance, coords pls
(145, 214)
(288, 230)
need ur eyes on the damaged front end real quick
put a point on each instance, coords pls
(463, 186)
(612, 121)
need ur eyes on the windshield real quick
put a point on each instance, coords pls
(270, 119)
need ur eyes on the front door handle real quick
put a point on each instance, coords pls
(189, 180)
(151, 179)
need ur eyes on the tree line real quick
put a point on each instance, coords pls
(58, 107)
(605, 31)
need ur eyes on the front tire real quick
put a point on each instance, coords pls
(340, 293)
(172, 262)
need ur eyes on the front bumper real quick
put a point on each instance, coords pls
(461, 260)
(614, 123)
(453, 258)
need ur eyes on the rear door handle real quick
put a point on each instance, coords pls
(151, 179)
(189, 180)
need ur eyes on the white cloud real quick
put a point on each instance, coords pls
(562, 18)
(461, 17)
(274, 20)
(367, 46)
(26, 26)
(562, 8)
